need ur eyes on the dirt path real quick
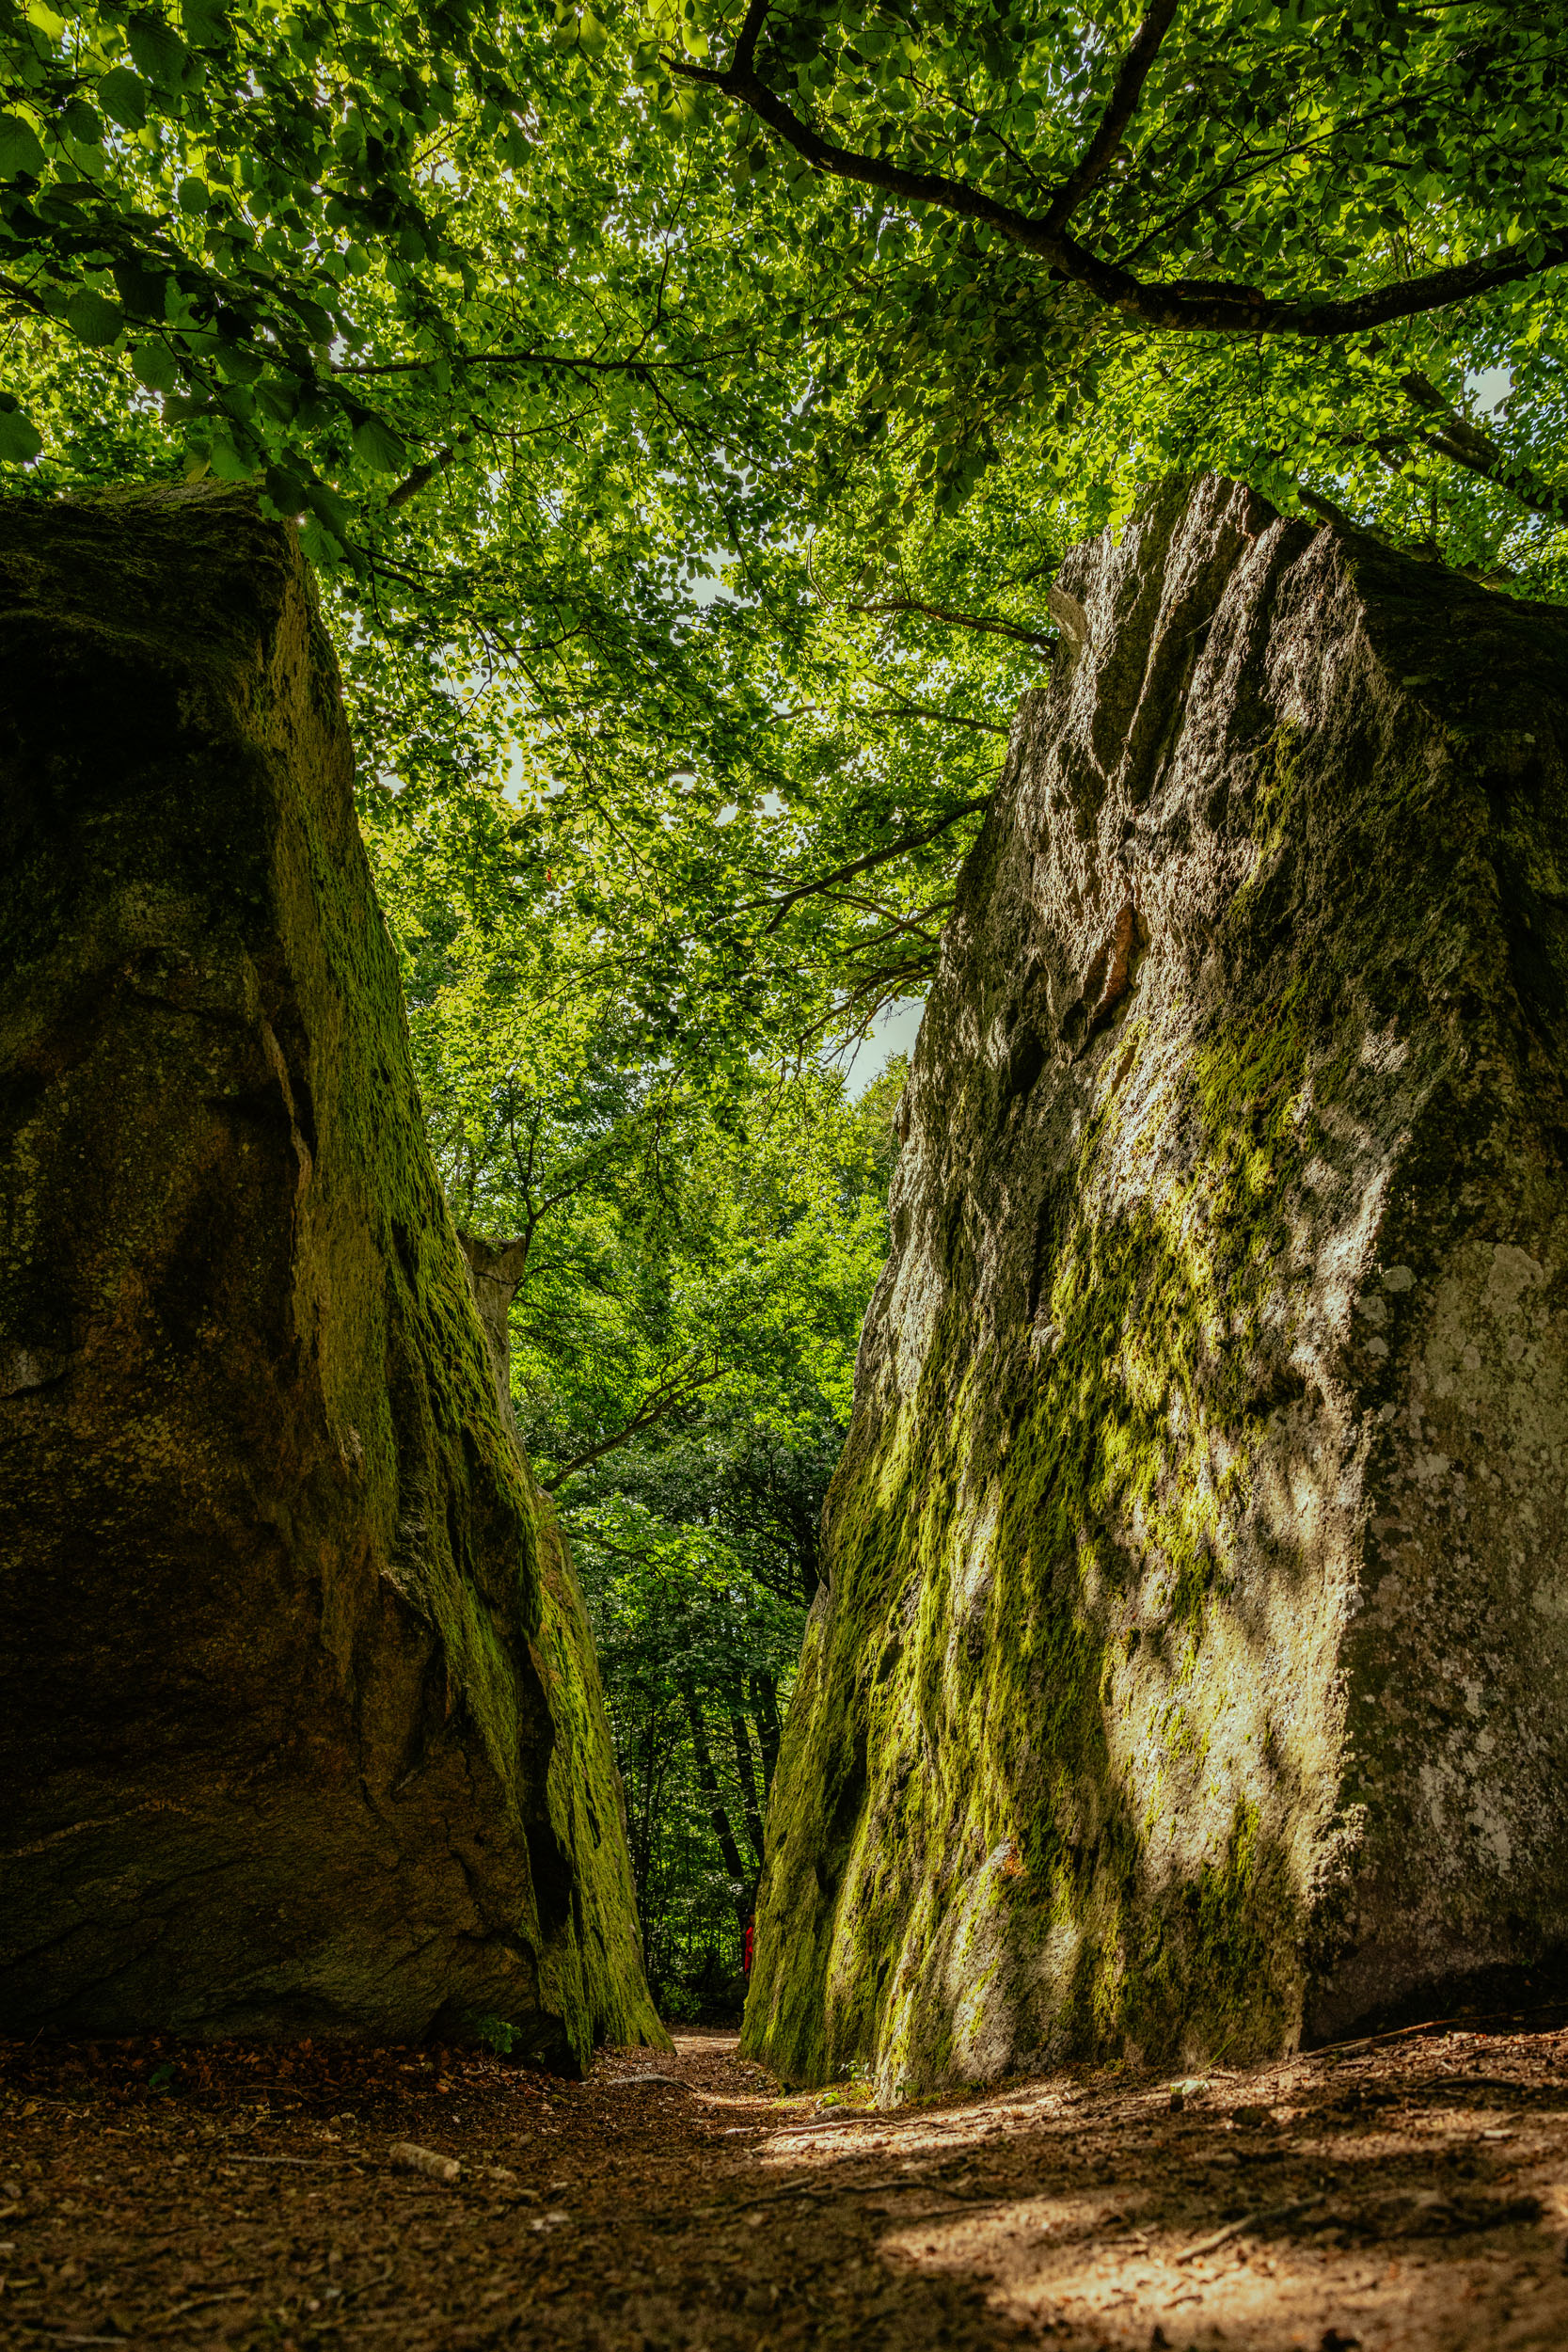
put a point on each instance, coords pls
(1410, 2195)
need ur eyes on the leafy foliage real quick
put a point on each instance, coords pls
(542, 319)
(691, 1267)
(1049, 186)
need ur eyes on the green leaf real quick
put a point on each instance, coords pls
(281, 400)
(230, 463)
(206, 22)
(193, 195)
(20, 437)
(158, 49)
(318, 324)
(377, 446)
(319, 544)
(91, 319)
(154, 365)
(81, 123)
(238, 363)
(285, 490)
(19, 148)
(142, 291)
(328, 507)
(123, 97)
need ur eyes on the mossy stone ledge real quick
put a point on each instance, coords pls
(1190, 1680)
(300, 1727)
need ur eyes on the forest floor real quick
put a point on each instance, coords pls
(1411, 2193)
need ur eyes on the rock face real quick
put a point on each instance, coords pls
(1193, 1675)
(300, 1729)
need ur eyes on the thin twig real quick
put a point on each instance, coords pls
(1248, 2221)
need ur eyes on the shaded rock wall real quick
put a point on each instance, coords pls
(1193, 1675)
(300, 1727)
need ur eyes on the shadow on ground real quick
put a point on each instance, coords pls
(1410, 2193)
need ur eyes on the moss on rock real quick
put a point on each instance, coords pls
(298, 1693)
(1192, 1674)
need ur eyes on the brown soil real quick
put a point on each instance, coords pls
(1409, 2193)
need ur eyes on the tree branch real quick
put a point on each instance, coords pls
(654, 1409)
(861, 864)
(564, 363)
(1118, 114)
(1462, 444)
(957, 620)
(412, 483)
(943, 717)
(1185, 305)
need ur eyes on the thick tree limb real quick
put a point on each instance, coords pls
(1464, 444)
(1118, 114)
(421, 477)
(1183, 306)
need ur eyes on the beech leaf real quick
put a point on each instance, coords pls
(377, 446)
(20, 437)
(20, 150)
(123, 97)
(158, 49)
(92, 319)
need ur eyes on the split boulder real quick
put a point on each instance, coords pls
(1190, 1678)
(300, 1727)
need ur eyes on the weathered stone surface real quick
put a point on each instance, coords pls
(300, 1729)
(1193, 1671)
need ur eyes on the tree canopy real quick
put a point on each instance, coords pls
(536, 317)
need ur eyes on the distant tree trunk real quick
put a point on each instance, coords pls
(765, 1705)
(650, 1751)
(746, 1771)
(494, 1269)
(709, 1779)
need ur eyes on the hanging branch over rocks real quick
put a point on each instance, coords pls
(1183, 305)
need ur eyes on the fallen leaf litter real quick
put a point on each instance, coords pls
(1416, 2199)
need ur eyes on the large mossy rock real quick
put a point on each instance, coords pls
(1193, 1675)
(300, 1728)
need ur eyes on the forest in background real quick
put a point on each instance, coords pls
(686, 409)
(694, 1266)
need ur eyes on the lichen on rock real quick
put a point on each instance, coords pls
(1192, 1674)
(299, 1720)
